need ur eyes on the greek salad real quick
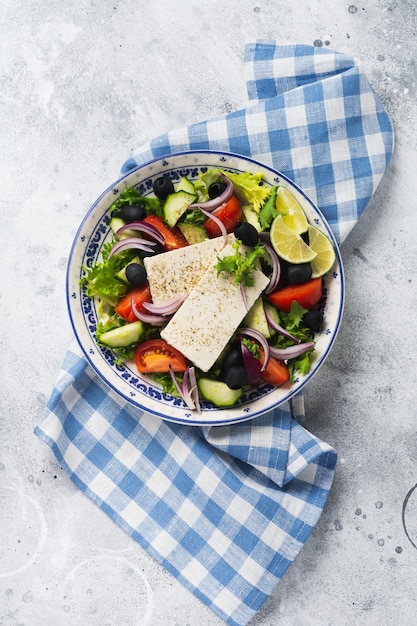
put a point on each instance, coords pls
(211, 286)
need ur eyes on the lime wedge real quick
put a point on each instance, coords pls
(288, 244)
(291, 210)
(323, 247)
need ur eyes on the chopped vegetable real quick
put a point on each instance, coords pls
(241, 263)
(251, 187)
(306, 294)
(156, 355)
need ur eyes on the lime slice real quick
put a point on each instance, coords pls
(321, 244)
(288, 244)
(291, 210)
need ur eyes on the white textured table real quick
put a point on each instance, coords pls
(82, 85)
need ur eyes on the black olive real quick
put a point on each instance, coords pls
(313, 320)
(132, 213)
(216, 189)
(300, 273)
(156, 249)
(162, 187)
(236, 377)
(247, 233)
(136, 274)
(234, 357)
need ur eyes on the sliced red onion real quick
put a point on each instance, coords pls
(219, 224)
(149, 229)
(258, 336)
(276, 268)
(194, 389)
(279, 329)
(154, 320)
(132, 242)
(265, 236)
(167, 308)
(183, 391)
(292, 352)
(252, 366)
(244, 298)
(210, 205)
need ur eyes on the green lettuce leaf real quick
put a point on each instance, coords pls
(251, 188)
(132, 196)
(241, 263)
(268, 212)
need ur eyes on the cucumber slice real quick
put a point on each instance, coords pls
(123, 336)
(273, 313)
(186, 185)
(251, 216)
(116, 223)
(256, 318)
(175, 205)
(193, 233)
(218, 393)
(122, 274)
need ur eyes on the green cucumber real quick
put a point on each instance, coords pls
(193, 233)
(116, 223)
(186, 185)
(175, 205)
(256, 318)
(122, 274)
(251, 216)
(123, 336)
(218, 393)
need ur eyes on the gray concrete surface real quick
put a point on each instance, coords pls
(84, 83)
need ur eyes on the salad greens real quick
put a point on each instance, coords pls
(241, 263)
(133, 197)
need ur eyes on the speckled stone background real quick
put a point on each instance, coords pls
(82, 84)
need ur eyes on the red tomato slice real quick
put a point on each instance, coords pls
(306, 294)
(230, 214)
(140, 295)
(156, 355)
(276, 372)
(173, 236)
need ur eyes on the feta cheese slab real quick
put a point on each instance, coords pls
(175, 273)
(205, 322)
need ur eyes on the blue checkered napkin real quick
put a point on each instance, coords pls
(227, 509)
(315, 118)
(224, 509)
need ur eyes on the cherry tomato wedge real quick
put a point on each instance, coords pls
(140, 295)
(276, 372)
(306, 294)
(173, 236)
(230, 214)
(156, 355)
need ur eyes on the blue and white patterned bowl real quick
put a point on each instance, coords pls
(138, 389)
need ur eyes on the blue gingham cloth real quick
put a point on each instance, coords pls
(226, 509)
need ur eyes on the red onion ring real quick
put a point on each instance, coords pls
(244, 298)
(154, 320)
(255, 334)
(210, 205)
(145, 228)
(279, 329)
(219, 224)
(276, 268)
(186, 394)
(132, 242)
(283, 354)
(194, 389)
(167, 308)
